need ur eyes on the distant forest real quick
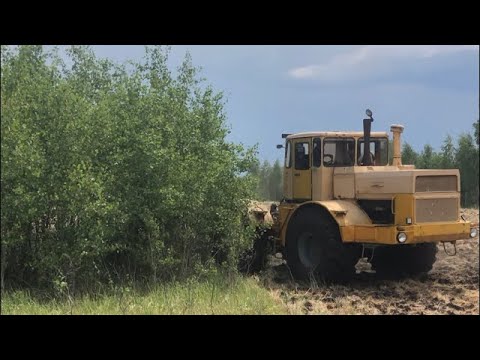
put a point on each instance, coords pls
(462, 154)
(270, 180)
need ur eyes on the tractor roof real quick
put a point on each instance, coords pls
(346, 134)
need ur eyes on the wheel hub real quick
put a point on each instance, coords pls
(309, 250)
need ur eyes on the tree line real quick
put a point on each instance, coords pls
(269, 177)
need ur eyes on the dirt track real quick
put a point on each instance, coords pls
(452, 287)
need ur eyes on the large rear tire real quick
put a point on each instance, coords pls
(400, 261)
(314, 246)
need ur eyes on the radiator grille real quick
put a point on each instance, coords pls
(436, 183)
(433, 210)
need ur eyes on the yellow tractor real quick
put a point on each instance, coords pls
(343, 200)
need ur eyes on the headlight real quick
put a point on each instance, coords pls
(401, 237)
(473, 232)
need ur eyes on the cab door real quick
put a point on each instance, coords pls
(302, 173)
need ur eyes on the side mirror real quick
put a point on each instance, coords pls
(279, 146)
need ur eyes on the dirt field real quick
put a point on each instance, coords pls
(452, 287)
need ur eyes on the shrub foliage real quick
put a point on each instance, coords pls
(109, 170)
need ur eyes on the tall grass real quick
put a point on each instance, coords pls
(218, 294)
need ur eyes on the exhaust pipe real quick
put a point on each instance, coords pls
(397, 152)
(367, 126)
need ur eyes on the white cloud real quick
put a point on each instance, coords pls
(363, 60)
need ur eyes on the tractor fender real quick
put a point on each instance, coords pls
(346, 213)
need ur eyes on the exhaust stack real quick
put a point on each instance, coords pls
(397, 152)
(367, 126)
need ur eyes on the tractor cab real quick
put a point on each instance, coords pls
(313, 159)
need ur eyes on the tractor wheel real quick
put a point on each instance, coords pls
(399, 261)
(314, 246)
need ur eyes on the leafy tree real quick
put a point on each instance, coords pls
(429, 159)
(425, 159)
(264, 176)
(468, 162)
(448, 154)
(475, 127)
(109, 171)
(409, 156)
(275, 182)
(270, 181)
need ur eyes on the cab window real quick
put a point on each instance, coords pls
(378, 151)
(338, 152)
(302, 156)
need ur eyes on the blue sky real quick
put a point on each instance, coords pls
(433, 90)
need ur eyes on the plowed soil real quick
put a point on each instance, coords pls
(452, 287)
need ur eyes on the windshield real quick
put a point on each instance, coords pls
(378, 150)
(338, 152)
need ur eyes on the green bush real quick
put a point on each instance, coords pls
(113, 169)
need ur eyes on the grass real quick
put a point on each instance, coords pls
(216, 295)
